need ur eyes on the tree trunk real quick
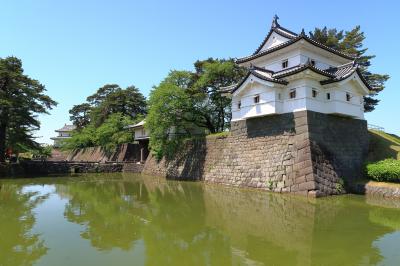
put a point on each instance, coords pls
(3, 124)
(2, 143)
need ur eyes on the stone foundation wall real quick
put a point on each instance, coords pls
(124, 152)
(44, 168)
(339, 147)
(304, 152)
(132, 168)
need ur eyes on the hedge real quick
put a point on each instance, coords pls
(386, 170)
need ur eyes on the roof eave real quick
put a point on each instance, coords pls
(304, 68)
(275, 29)
(280, 82)
(290, 42)
(366, 86)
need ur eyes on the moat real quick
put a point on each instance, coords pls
(128, 219)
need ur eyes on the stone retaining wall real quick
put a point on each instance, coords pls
(304, 152)
(133, 168)
(124, 152)
(378, 189)
(44, 168)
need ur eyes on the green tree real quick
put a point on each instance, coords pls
(85, 137)
(111, 99)
(102, 120)
(113, 131)
(21, 99)
(108, 135)
(190, 103)
(80, 115)
(351, 42)
(212, 75)
(169, 107)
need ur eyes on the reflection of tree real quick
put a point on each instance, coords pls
(18, 246)
(183, 223)
(110, 211)
(177, 234)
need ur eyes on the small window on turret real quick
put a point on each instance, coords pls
(292, 94)
(348, 97)
(285, 63)
(328, 95)
(314, 93)
(239, 105)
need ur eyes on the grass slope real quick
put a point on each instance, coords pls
(383, 146)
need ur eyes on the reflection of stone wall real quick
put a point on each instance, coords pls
(302, 152)
(251, 217)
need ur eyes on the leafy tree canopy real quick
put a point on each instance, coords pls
(21, 100)
(107, 100)
(108, 135)
(351, 42)
(102, 120)
(189, 103)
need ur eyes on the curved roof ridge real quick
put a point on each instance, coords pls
(292, 41)
(261, 69)
(342, 75)
(278, 30)
(347, 64)
(300, 68)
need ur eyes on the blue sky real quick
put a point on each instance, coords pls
(75, 47)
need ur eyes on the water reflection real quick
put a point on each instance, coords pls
(18, 245)
(110, 211)
(194, 224)
(120, 218)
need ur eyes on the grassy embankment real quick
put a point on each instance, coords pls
(383, 157)
(383, 146)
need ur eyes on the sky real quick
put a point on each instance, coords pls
(75, 47)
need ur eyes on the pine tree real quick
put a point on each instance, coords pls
(21, 99)
(351, 42)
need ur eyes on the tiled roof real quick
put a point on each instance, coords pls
(290, 42)
(299, 68)
(333, 74)
(261, 73)
(344, 71)
(66, 128)
(279, 30)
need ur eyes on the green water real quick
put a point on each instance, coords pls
(127, 219)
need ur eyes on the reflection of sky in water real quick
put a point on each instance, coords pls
(389, 246)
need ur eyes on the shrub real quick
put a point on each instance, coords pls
(219, 135)
(386, 170)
